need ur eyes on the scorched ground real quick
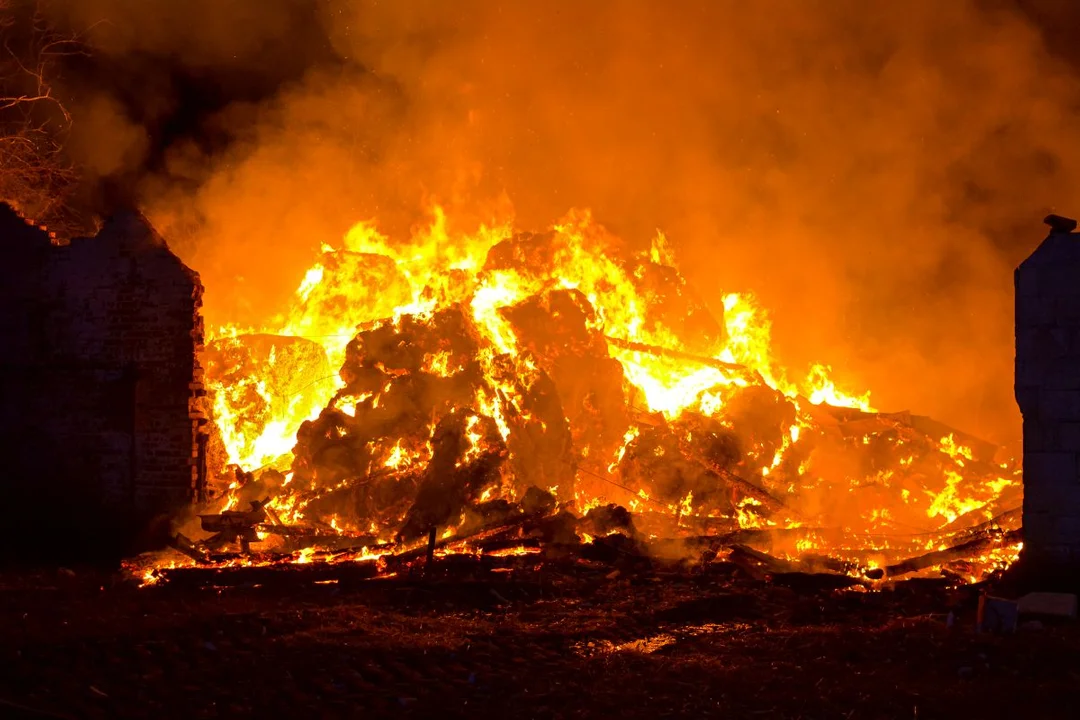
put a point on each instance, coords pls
(582, 641)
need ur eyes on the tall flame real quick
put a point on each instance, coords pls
(370, 282)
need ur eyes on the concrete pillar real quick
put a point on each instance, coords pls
(1047, 387)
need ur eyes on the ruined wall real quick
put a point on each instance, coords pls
(98, 387)
(1048, 392)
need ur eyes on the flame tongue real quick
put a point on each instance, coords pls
(491, 364)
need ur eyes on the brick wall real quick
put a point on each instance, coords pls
(98, 387)
(1047, 386)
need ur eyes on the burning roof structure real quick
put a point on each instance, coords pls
(561, 394)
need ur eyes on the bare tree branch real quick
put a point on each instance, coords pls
(36, 175)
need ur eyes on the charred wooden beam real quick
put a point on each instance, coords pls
(431, 538)
(680, 355)
(278, 575)
(315, 534)
(183, 544)
(1010, 520)
(499, 544)
(962, 551)
(480, 533)
(341, 554)
(769, 501)
(809, 574)
(758, 563)
(272, 516)
(1006, 511)
(234, 526)
(235, 521)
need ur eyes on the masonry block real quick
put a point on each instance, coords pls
(1027, 283)
(1049, 468)
(1051, 498)
(1039, 311)
(1067, 530)
(95, 377)
(1044, 436)
(1039, 528)
(1027, 397)
(1047, 389)
(1063, 374)
(1068, 436)
(1059, 405)
(1066, 311)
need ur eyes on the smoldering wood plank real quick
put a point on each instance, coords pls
(476, 535)
(768, 500)
(680, 355)
(963, 551)
(277, 575)
(1010, 519)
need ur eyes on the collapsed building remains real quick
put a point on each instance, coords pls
(1048, 392)
(99, 384)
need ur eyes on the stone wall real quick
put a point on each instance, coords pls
(1048, 391)
(98, 388)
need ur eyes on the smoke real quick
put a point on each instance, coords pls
(871, 170)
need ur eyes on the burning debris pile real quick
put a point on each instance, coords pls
(529, 397)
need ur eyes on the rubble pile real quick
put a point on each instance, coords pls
(570, 397)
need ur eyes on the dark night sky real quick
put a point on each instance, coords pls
(140, 81)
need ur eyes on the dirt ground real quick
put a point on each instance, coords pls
(584, 642)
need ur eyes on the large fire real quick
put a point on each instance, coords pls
(412, 385)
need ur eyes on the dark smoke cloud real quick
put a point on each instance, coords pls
(872, 170)
(197, 33)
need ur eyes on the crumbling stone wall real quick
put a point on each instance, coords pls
(99, 387)
(1048, 391)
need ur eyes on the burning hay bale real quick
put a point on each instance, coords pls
(262, 384)
(671, 303)
(667, 301)
(555, 329)
(443, 345)
(413, 399)
(542, 445)
(655, 463)
(534, 253)
(573, 399)
(397, 379)
(605, 520)
(467, 455)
